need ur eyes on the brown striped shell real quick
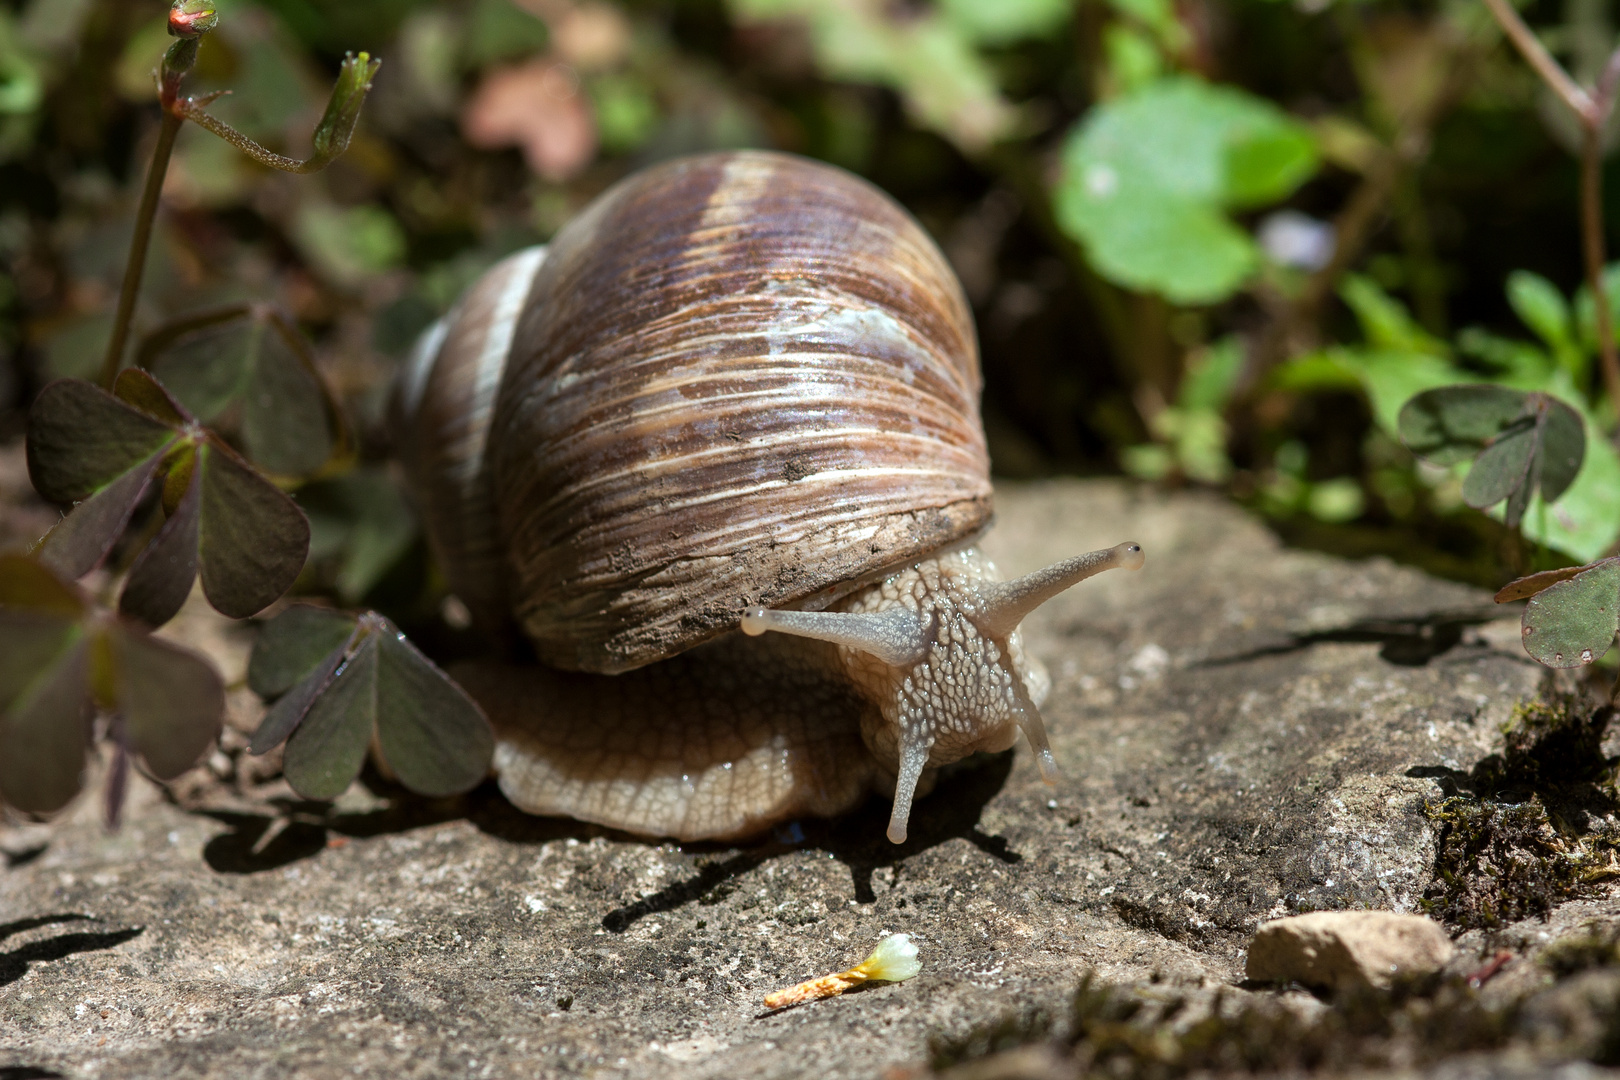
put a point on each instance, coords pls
(735, 379)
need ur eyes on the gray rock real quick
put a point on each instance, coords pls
(1579, 1017)
(1246, 732)
(1348, 950)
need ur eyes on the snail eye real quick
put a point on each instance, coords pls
(1004, 604)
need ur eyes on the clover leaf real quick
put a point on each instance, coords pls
(1520, 442)
(224, 520)
(62, 661)
(247, 364)
(1573, 613)
(342, 683)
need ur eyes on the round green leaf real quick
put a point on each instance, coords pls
(45, 732)
(1501, 468)
(283, 718)
(252, 539)
(161, 578)
(1540, 305)
(1156, 242)
(81, 540)
(434, 737)
(171, 699)
(293, 644)
(1572, 623)
(26, 583)
(140, 389)
(1147, 176)
(208, 368)
(324, 754)
(1563, 448)
(81, 438)
(285, 420)
(1450, 423)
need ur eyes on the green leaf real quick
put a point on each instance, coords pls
(78, 543)
(81, 438)
(1391, 378)
(252, 539)
(1384, 320)
(292, 644)
(30, 642)
(1585, 521)
(1146, 177)
(289, 710)
(207, 369)
(1541, 307)
(1518, 361)
(434, 737)
(1211, 376)
(139, 389)
(287, 425)
(348, 244)
(1157, 242)
(325, 753)
(45, 730)
(1573, 623)
(171, 700)
(290, 425)
(1563, 448)
(162, 575)
(26, 583)
(369, 678)
(1004, 21)
(1452, 423)
(364, 519)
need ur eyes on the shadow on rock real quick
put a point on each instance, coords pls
(950, 812)
(14, 964)
(1405, 642)
(298, 830)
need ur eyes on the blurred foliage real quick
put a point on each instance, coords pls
(1215, 242)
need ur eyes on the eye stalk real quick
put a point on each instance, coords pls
(951, 680)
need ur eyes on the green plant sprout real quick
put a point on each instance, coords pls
(168, 500)
(189, 21)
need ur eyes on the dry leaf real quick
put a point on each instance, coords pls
(539, 107)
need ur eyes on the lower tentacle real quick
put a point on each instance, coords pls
(915, 746)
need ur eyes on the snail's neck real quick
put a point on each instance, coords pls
(966, 690)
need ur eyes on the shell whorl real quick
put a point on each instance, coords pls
(737, 379)
(443, 402)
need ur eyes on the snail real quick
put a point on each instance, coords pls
(738, 392)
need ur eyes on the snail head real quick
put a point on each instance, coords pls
(936, 647)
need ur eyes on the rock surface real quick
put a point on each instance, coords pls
(1246, 732)
(1348, 950)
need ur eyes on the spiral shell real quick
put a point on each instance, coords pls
(735, 379)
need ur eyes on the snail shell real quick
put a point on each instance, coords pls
(735, 381)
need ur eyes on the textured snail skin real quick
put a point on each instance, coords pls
(740, 390)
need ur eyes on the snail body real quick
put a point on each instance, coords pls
(739, 391)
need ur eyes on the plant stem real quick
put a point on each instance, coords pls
(139, 243)
(268, 158)
(1592, 248)
(1592, 110)
(1536, 55)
